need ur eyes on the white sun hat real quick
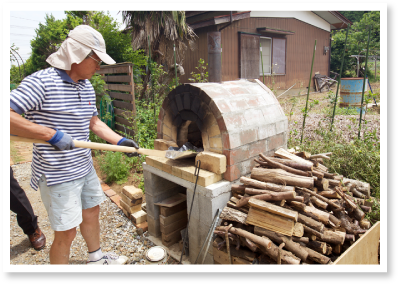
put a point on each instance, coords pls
(80, 42)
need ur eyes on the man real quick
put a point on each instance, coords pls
(26, 218)
(59, 107)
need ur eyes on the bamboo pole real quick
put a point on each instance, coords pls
(175, 64)
(308, 93)
(339, 79)
(262, 64)
(364, 83)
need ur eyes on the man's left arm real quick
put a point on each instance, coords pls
(103, 131)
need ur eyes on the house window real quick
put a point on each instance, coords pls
(274, 56)
(266, 47)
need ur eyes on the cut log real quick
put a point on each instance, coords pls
(290, 245)
(356, 193)
(297, 205)
(241, 209)
(349, 238)
(322, 216)
(286, 155)
(329, 249)
(365, 224)
(284, 167)
(318, 174)
(298, 230)
(279, 176)
(346, 224)
(320, 247)
(293, 164)
(249, 244)
(321, 167)
(317, 257)
(318, 226)
(330, 194)
(363, 187)
(319, 203)
(238, 188)
(336, 222)
(275, 195)
(322, 184)
(337, 249)
(265, 185)
(303, 154)
(319, 156)
(300, 240)
(265, 206)
(366, 209)
(231, 214)
(267, 243)
(333, 182)
(333, 205)
(311, 231)
(274, 253)
(270, 196)
(333, 237)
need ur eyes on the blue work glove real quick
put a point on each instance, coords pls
(129, 143)
(62, 141)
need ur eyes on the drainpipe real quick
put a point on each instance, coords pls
(214, 56)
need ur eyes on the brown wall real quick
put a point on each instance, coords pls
(299, 49)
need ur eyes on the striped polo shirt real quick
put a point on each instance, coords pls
(51, 98)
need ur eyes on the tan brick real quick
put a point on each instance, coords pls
(129, 201)
(213, 162)
(130, 209)
(110, 193)
(166, 131)
(174, 133)
(138, 217)
(163, 145)
(213, 130)
(132, 192)
(149, 160)
(126, 213)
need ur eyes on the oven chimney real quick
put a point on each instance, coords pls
(214, 56)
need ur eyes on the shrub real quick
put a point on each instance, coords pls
(116, 166)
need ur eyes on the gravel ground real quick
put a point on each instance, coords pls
(118, 234)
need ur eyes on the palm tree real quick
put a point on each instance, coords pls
(162, 29)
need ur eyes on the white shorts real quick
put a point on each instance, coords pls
(64, 202)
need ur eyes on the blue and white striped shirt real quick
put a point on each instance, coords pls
(51, 98)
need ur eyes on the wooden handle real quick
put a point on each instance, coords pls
(98, 146)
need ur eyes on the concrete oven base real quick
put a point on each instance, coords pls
(160, 185)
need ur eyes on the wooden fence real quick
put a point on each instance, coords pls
(120, 83)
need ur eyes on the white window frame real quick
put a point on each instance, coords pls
(270, 55)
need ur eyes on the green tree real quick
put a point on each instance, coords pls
(353, 16)
(356, 43)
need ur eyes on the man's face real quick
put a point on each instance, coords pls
(87, 67)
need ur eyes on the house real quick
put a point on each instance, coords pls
(287, 43)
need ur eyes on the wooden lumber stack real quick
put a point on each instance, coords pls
(291, 210)
(173, 218)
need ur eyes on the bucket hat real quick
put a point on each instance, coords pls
(80, 42)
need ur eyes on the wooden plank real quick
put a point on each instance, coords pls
(178, 225)
(124, 105)
(172, 238)
(121, 96)
(172, 201)
(114, 70)
(123, 113)
(124, 130)
(165, 221)
(270, 221)
(168, 211)
(121, 78)
(364, 250)
(274, 209)
(123, 121)
(286, 155)
(118, 87)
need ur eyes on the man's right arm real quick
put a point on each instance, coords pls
(22, 127)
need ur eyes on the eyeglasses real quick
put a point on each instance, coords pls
(99, 62)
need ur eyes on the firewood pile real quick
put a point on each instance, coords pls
(291, 211)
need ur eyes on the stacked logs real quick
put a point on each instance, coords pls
(330, 208)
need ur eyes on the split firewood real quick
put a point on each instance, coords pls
(337, 249)
(327, 175)
(317, 257)
(357, 193)
(329, 249)
(290, 245)
(322, 216)
(346, 224)
(241, 209)
(277, 195)
(270, 196)
(360, 186)
(318, 203)
(298, 230)
(254, 238)
(277, 210)
(303, 154)
(231, 214)
(280, 176)
(284, 167)
(293, 164)
(317, 246)
(333, 182)
(266, 185)
(335, 221)
(296, 205)
(310, 236)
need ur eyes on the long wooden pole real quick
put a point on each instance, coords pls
(364, 83)
(262, 64)
(308, 93)
(339, 79)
